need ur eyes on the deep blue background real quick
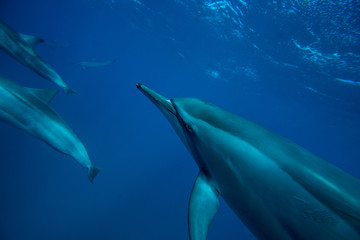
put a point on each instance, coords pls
(278, 63)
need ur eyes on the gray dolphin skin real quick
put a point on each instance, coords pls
(277, 188)
(94, 63)
(29, 109)
(21, 47)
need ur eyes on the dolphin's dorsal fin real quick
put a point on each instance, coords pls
(203, 206)
(31, 40)
(45, 95)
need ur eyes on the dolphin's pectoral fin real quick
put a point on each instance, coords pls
(45, 95)
(31, 40)
(203, 206)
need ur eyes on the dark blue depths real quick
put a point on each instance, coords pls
(292, 66)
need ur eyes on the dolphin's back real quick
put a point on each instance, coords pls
(332, 186)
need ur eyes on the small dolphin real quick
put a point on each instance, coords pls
(277, 188)
(94, 63)
(21, 47)
(56, 44)
(29, 109)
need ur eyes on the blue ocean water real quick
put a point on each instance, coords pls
(291, 66)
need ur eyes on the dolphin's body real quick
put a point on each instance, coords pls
(29, 109)
(94, 63)
(277, 188)
(21, 47)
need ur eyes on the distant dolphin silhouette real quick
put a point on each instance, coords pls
(21, 47)
(94, 63)
(56, 44)
(29, 109)
(277, 188)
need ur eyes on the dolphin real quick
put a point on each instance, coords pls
(29, 109)
(278, 189)
(21, 47)
(94, 63)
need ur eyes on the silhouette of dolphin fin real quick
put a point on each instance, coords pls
(45, 95)
(31, 40)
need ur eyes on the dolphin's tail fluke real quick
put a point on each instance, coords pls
(92, 172)
(69, 90)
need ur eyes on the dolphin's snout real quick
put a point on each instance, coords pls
(138, 85)
(161, 102)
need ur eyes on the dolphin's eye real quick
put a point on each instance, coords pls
(188, 128)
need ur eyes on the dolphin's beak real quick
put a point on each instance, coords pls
(164, 104)
(168, 108)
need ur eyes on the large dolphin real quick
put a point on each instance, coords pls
(21, 47)
(29, 109)
(277, 188)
